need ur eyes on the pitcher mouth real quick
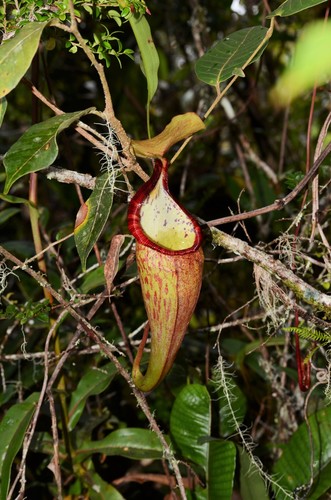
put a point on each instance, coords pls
(158, 221)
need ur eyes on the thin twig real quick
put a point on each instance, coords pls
(280, 203)
(308, 294)
(107, 349)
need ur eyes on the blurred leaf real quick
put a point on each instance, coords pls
(37, 148)
(190, 420)
(12, 431)
(14, 199)
(93, 382)
(16, 55)
(252, 485)
(92, 217)
(293, 178)
(101, 490)
(293, 468)
(228, 57)
(7, 213)
(291, 7)
(311, 64)
(93, 279)
(180, 127)
(3, 107)
(130, 442)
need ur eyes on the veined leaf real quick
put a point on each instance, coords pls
(190, 425)
(221, 468)
(92, 217)
(190, 421)
(37, 148)
(180, 127)
(132, 443)
(94, 381)
(3, 107)
(293, 469)
(228, 57)
(291, 7)
(12, 430)
(17, 53)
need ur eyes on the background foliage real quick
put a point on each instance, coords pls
(230, 420)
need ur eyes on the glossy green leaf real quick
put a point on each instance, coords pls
(311, 64)
(37, 148)
(3, 107)
(12, 430)
(293, 469)
(190, 425)
(252, 485)
(228, 57)
(133, 443)
(221, 469)
(92, 217)
(291, 7)
(93, 382)
(149, 55)
(16, 55)
(190, 421)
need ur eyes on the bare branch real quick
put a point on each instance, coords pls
(317, 300)
(277, 204)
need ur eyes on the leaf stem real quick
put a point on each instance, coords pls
(221, 94)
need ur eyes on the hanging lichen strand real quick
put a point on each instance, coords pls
(170, 263)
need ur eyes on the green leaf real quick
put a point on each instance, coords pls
(149, 55)
(7, 213)
(179, 128)
(93, 279)
(12, 430)
(221, 469)
(133, 443)
(238, 402)
(14, 199)
(92, 217)
(16, 55)
(93, 382)
(252, 485)
(291, 7)
(190, 425)
(293, 469)
(3, 107)
(101, 490)
(229, 56)
(311, 64)
(37, 148)
(190, 420)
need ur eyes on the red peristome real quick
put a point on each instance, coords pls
(135, 204)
